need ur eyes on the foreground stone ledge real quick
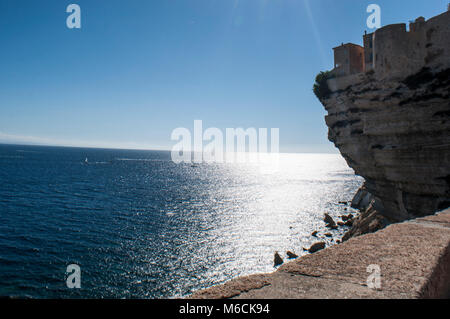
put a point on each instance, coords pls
(414, 258)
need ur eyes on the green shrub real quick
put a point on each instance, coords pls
(321, 89)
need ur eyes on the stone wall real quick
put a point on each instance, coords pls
(368, 52)
(397, 51)
(393, 51)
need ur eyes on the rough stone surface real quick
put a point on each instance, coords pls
(370, 219)
(362, 199)
(396, 50)
(368, 222)
(414, 258)
(233, 288)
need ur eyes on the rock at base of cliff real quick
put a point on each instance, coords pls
(362, 199)
(277, 260)
(316, 247)
(291, 255)
(329, 221)
(368, 222)
(347, 217)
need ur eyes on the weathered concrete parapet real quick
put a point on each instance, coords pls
(413, 258)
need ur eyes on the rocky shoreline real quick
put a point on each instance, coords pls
(367, 220)
(415, 254)
(413, 258)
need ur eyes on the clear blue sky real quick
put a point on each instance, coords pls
(140, 68)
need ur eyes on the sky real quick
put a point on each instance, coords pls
(138, 69)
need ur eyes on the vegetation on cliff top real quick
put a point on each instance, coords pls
(320, 88)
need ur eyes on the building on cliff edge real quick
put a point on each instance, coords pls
(393, 49)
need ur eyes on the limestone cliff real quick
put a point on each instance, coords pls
(392, 124)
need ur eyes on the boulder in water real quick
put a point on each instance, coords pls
(291, 255)
(277, 259)
(329, 221)
(316, 247)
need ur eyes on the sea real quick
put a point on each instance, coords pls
(139, 225)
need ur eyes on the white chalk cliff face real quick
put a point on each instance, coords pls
(393, 128)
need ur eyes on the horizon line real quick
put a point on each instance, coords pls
(2, 143)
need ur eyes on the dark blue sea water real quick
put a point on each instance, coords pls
(141, 226)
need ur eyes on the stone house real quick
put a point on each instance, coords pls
(348, 59)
